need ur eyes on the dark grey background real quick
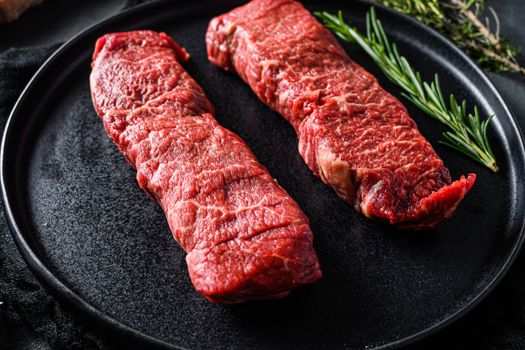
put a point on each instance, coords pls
(39, 322)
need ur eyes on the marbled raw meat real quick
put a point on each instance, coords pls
(245, 237)
(355, 136)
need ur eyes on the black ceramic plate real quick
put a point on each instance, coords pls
(95, 239)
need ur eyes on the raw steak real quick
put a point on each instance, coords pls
(245, 237)
(354, 135)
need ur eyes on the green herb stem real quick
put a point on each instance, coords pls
(467, 134)
(463, 22)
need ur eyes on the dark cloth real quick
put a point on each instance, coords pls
(30, 318)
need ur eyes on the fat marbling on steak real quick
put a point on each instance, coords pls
(245, 237)
(354, 135)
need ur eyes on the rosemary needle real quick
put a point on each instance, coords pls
(463, 22)
(467, 134)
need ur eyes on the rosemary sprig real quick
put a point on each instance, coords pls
(467, 134)
(464, 23)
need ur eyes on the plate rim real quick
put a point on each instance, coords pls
(132, 336)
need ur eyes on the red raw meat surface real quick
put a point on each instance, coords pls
(245, 237)
(354, 135)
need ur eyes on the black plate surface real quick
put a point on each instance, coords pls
(94, 238)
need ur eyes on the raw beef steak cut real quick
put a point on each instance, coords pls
(354, 135)
(245, 237)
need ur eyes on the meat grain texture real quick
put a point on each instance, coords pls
(245, 237)
(352, 134)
